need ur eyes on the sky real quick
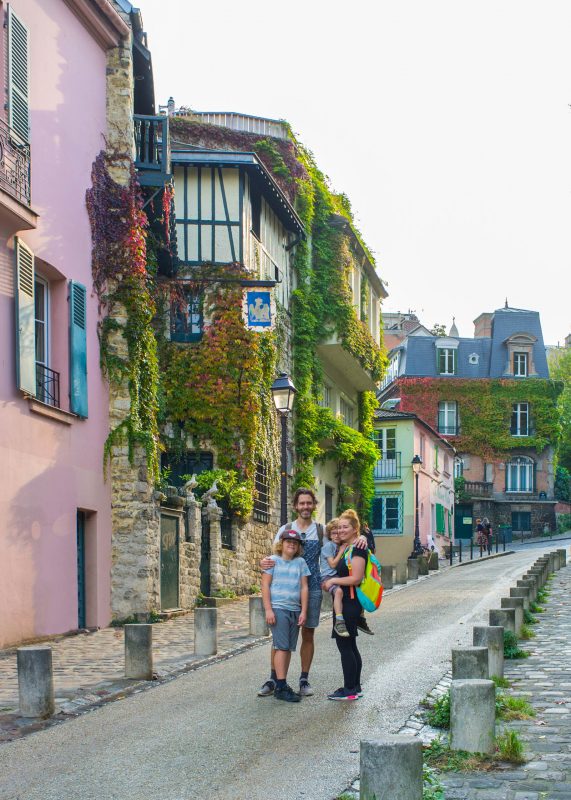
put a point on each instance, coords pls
(447, 123)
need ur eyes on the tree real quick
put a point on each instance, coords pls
(562, 491)
(560, 370)
(438, 329)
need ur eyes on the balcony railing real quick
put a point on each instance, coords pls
(388, 469)
(14, 165)
(152, 149)
(479, 488)
(47, 385)
(449, 430)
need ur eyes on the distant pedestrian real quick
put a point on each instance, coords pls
(285, 596)
(488, 533)
(480, 535)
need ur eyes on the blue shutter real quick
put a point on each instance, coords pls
(18, 77)
(77, 349)
(25, 318)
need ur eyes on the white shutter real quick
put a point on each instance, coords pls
(18, 76)
(25, 319)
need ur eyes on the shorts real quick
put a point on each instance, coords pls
(333, 589)
(286, 629)
(313, 609)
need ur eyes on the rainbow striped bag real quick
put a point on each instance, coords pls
(370, 590)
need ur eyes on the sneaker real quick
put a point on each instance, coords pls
(340, 628)
(343, 694)
(358, 690)
(363, 626)
(267, 689)
(305, 689)
(287, 694)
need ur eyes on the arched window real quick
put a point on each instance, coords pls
(458, 467)
(519, 474)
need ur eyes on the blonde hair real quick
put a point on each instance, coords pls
(331, 525)
(353, 518)
(279, 547)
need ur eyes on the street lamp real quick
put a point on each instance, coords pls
(283, 392)
(417, 549)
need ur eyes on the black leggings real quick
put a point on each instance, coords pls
(351, 662)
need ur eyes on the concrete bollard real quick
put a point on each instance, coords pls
(205, 631)
(35, 682)
(470, 663)
(491, 637)
(387, 576)
(391, 767)
(563, 557)
(401, 573)
(139, 652)
(422, 566)
(517, 604)
(556, 561)
(412, 565)
(473, 716)
(531, 584)
(433, 561)
(524, 592)
(258, 624)
(504, 617)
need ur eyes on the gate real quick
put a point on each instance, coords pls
(169, 562)
(80, 569)
(463, 522)
(521, 522)
(205, 556)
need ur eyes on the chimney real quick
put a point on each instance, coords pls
(483, 325)
(170, 106)
(568, 340)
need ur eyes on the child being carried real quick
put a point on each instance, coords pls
(331, 555)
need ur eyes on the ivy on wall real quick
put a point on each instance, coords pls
(485, 409)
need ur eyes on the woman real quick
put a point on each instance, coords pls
(349, 576)
(488, 533)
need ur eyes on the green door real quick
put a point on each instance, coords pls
(169, 561)
(463, 523)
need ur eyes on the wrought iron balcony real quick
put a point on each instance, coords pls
(389, 467)
(152, 149)
(479, 488)
(14, 165)
(47, 385)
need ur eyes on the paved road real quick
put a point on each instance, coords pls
(206, 734)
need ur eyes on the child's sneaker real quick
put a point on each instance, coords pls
(363, 626)
(267, 689)
(340, 628)
(287, 694)
(343, 694)
(305, 689)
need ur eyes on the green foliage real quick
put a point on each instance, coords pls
(439, 715)
(225, 594)
(509, 747)
(432, 789)
(528, 617)
(460, 493)
(508, 708)
(512, 649)
(501, 683)
(236, 494)
(562, 484)
(438, 329)
(535, 608)
(560, 369)
(564, 523)
(526, 632)
(440, 756)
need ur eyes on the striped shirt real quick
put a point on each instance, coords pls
(285, 589)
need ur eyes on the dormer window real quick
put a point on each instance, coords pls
(520, 365)
(446, 360)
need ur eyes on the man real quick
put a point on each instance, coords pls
(304, 504)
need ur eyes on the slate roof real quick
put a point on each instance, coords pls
(387, 416)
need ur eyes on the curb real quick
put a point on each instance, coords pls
(483, 559)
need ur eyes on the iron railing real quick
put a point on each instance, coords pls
(448, 430)
(14, 164)
(152, 147)
(47, 385)
(389, 467)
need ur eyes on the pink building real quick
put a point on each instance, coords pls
(55, 518)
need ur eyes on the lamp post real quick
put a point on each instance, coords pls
(283, 392)
(417, 549)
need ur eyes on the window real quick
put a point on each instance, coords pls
(262, 493)
(436, 457)
(328, 503)
(520, 475)
(186, 317)
(422, 447)
(347, 412)
(448, 417)
(446, 464)
(392, 372)
(458, 467)
(181, 466)
(386, 516)
(389, 465)
(446, 360)
(520, 419)
(520, 365)
(325, 401)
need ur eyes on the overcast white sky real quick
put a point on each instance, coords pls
(446, 122)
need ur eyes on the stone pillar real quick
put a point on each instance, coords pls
(412, 565)
(522, 591)
(193, 519)
(422, 565)
(433, 561)
(493, 639)
(504, 617)
(35, 682)
(391, 767)
(531, 584)
(258, 624)
(562, 556)
(205, 631)
(215, 515)
(139, 652)
(473, 716)
(470, 663)
(401, 573)
(517, 604)
(387, 575)
(557, 560)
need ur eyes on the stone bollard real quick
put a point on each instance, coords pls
(139, 652)
(473, 716)
(387, 576)
(422, 566)
(556, 561)
(563, 557)
(401, 574)
(433, 561)
(517, 604)
(205, 631)
(537, 573)
(504, 617)
(412, 565)
(470, 663)
(391, 767)
(258, 624)
(531, 584)
(35, 682)
(524, 592)
(493, 639)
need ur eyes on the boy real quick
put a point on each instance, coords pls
(285, 595)
(330, 556)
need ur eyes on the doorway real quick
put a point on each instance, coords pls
(170, 535)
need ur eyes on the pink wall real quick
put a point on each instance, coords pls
(48, 469)
(434, 485)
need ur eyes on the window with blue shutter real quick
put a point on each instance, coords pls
(18, 77)
(25, 318)
(77, 349)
